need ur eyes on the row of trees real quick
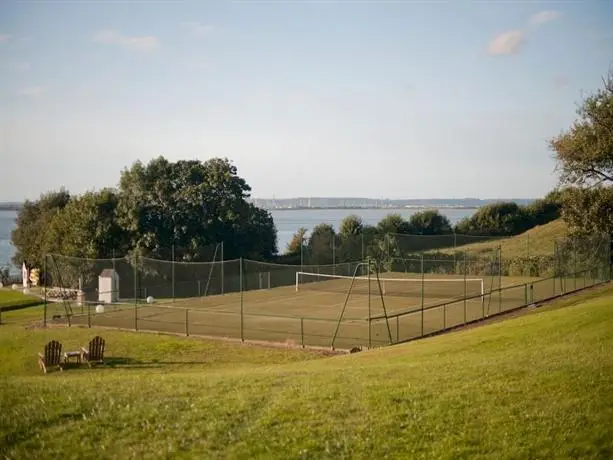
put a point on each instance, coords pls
(188, 205)
(497, 219)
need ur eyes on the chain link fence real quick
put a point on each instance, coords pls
(398, 294)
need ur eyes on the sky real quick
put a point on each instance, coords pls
(322, 98)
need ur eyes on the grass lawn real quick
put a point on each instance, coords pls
(539, 385)
(537, 241)
(12, 299)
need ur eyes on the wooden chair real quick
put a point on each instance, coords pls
(95, 351)
(52, 356)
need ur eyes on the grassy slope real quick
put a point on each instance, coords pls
(536, 386)
(16, 299)
(536, 241)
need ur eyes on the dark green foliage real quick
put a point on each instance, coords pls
(192, 205)
(188, 205)
(87, 227)
(351, 226)
(393, 223)
(320, 244)
(33, 219)
(430, 222)
(589, 210)
(508, 218)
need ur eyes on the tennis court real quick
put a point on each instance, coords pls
(308, 313)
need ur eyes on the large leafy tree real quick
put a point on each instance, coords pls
(191, 205)
(87, 227)
(496, 219)
(584, 155)
(430, 222)
(295, 244)
(33, 219)
(351, 226)
(320, 244)
(393, 223)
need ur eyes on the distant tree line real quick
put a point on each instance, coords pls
(395, 236)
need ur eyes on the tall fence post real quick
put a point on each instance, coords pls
(302, 332)
(574, 246)
(135, 293)
(555, 266)
(362, 243)
(369, 309)
(333, 236)
(422, 294)
(45, 275)
(89, 316)
(397, 330)
(241, 289)
(187, 322)
(499, 278)
(222, 269)
(172, 268)
(114, 271)
(465, 282)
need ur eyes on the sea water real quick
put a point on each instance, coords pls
(287, 221)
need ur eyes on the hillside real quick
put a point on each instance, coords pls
(535, 242)
(536, 386)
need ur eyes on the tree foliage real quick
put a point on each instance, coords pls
(29, 235)
(589, 211)
(87, 227)
(189, 205)
(298, 239)
(192, 205)
(393, 223)
(351, 226)
(584, 155)
(320, 244)
(584, 152)
(430, 222)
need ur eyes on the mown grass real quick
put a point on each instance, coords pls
(13, 299)
(536, 386)
(537, 241)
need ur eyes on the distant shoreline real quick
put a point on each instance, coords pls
(358, 208)
(10, 207)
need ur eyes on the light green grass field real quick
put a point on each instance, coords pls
(537, 241)
(536, 386)
(11, 299)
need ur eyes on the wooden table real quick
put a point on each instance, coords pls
(72, 354)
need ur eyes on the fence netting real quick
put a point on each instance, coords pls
(402, 288)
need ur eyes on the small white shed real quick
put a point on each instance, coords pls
(108, 286)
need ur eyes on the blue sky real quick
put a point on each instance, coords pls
(385, 99)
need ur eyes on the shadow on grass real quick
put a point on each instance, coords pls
(117, 362)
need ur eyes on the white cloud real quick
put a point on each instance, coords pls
(197, 29)
(32, 91)
(5, 38)
(143, 44)
(543, 17)
(509, 42)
